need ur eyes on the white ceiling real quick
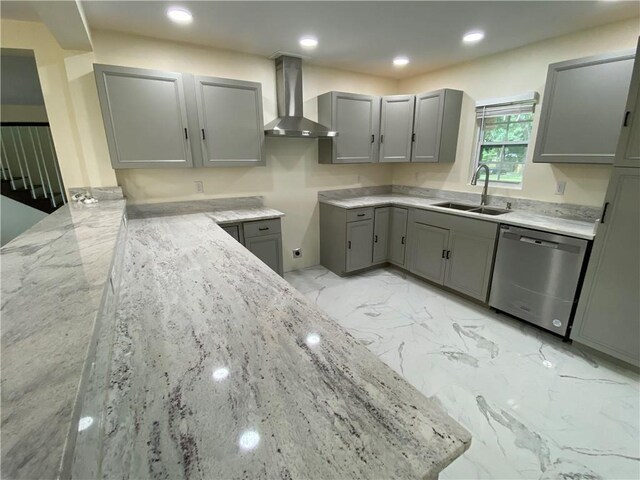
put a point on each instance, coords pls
(361, 36)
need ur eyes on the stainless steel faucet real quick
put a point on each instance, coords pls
(474, 181)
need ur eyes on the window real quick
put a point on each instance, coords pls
(504, 129)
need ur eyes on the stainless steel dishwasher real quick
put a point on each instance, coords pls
(536, 276)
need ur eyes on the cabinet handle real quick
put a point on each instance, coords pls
(361, 215)
(375, 239)
(448, 254)
(381, 138)
(444, 253)
(373, 138)
(413, 137)
(262, 229)
(203, 133)
(349, 244)
(402, 241)
(627, 114)
(604, 212)
(186, 134)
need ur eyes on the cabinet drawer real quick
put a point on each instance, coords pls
(359, 214)
(261, 227)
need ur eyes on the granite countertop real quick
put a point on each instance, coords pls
(221, 369)
(563, 226)
(53, 278)
(225, 210)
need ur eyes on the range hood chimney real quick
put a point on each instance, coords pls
(290, 122)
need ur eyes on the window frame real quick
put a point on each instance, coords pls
(516, 107)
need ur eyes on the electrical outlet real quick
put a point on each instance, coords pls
(297, 252)
(199, 186)
(560, 186)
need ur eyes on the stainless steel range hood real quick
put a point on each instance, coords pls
(290, 122)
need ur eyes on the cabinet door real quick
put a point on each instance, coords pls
(628, 151)
(231, 125)
(359, 245)
(396, 128)
(469, 263)
(398, 235)
(608, 314)
(356, 119)
(145, 117)
(381, 234)
(583, 109)
(267, 248)
(427, 126)
(428, 251)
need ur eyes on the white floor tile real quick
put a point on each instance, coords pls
(537, 408)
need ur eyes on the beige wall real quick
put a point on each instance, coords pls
(510, 73)
(70, 97)
(292, 177)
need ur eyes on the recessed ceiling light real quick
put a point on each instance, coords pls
(308, 42)
(473, 37)
(180, 15)
(400, 61)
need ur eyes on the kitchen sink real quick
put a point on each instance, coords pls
(490, 211)
(472, 208)
(455, 206)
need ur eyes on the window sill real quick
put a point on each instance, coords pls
(494, 185)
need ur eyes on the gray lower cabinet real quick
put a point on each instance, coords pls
(398, 235)
(356, 118)
(231, 124)
(608, 313)
(428, 252)
(583, 109)
(381, 234)
(359, 245)
(263, 238)
(396, 128)
(267, 248)
(453, 251)
(145, 117)
(435, 126)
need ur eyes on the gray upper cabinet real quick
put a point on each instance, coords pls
(145, 117)
(435, 126)
(583, 109)
(628, 151)
(356, 118)
(359, 244)
(230, 119)
(396, 127)
(398, 235)
(428, 252)
(381, 234)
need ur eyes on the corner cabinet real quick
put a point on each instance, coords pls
(435, 126)
(263, 238)
(145, 117)
(583, 109)
(231, 123)
(356, 118)
(156, 119)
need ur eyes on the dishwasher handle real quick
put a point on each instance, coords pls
(541, 243)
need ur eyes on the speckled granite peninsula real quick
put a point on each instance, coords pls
(55, 281)
(221, 369)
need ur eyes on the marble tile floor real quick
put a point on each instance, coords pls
(537, 408)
